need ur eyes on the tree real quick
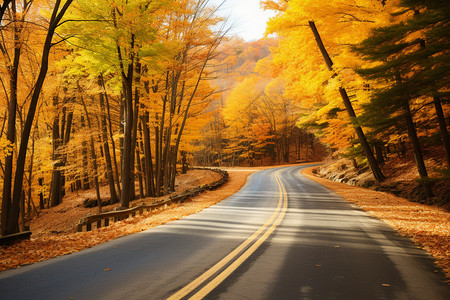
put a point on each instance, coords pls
(373, 163)
(411, 65)
(317, 86)
(11, 202)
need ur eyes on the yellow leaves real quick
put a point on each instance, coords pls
(297, 59)
(6, 147)
(338, 134)
(277, 5)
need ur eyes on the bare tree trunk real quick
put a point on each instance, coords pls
(30, 172)
(141, 156)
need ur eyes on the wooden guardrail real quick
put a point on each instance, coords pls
(12, 238)
(104, 219)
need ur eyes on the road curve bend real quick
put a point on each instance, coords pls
(281, 236)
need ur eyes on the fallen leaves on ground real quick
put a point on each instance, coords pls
(428, 226)
(48, 243)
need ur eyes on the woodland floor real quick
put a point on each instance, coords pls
(427, 226)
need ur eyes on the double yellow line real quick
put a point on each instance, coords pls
(234, 259)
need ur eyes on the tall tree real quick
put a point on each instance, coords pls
(10, 216)
(412, 64)
(373, 163)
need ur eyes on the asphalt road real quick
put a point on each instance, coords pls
(281, 237)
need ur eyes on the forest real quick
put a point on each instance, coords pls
(129, 94)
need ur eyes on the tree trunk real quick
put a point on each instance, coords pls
(10, 133)
(65, 139)
(57, 14)
(379, 153)
(113, 144)
(160, 159)
(61, 136)
(351, 113)
(141, 162)
(417, 151)
(94, 158)
(139, 173)
(22, 211)
(134, 128)
(55, 185)
(184, 167)
(149, 182)
(127, 140)
(443, 127)
(109, 170)
(361, 137)
(157, 163)
(85, 185)
(173, 168)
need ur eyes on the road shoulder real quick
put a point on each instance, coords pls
(427, 226)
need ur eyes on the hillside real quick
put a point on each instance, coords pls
(401, 173)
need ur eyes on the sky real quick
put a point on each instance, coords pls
(248, 20)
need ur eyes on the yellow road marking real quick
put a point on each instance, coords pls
(278, 215)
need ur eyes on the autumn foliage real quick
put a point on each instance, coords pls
(100, 93)
(369, 78)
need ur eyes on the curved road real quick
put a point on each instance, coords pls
(281, 237)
